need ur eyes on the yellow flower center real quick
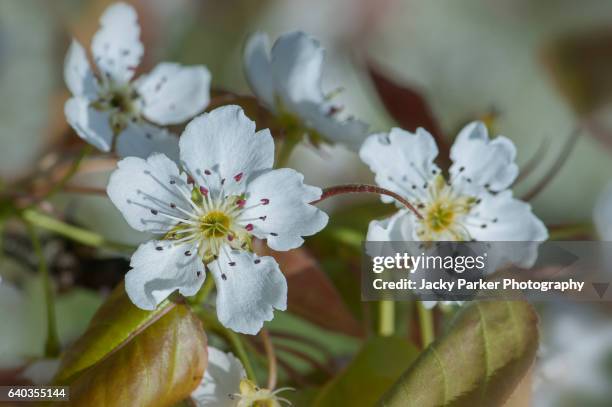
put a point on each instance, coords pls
(253, 396)
(443, 213)
(215, 224)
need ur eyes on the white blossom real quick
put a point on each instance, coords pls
(474, 204)
(287, 79)
(225, 385)
(207, 215)
(110, 110)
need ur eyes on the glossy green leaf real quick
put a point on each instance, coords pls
(372, 372)
(481, 359)
(115, 323)
(160, 366)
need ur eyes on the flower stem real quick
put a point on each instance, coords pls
(76, 164)
(86, 237)
(386, 317)
(211, 323)
(238, 348)
(206, 289)
(52, 345)
(425, 324)
(271, 355)
(286, 148)
(365, 188)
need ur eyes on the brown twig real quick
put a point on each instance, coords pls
(365, 188)
(554, 169)
(269, 348)
(78, 189)
(533, 162)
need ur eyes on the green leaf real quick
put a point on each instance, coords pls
(372, 372)
(159, 367)
(115, 324)
(156, 360)
(486, 352)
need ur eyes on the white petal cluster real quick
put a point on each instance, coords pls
(476, 203)
(206, 214)
(110, 110)
(287, 79)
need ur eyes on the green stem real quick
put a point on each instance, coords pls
(286, 148)
(52, 345)
(76, 164)
(206, 289)
(211, 323)
(426, 324)
(241, 354)
(86, 237)
(386, 317)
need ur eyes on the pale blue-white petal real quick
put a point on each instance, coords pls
(173, 93)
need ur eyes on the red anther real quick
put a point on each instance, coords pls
(203, 191)
(240, 203)
(190, 179)
(230, 237)
(238, 176)
(265, 201)
(249, 227)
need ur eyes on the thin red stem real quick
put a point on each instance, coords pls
(365, 188)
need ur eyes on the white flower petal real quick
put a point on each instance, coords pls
(224, 142)
(602, 214)
(396, 228)
(159, 268)
(320, 117)
(478, 161)
(173, 93)
(116, 46)
(249, 288)
(77, 73)
(221, 380)
(90, 124)
(297, 61)
(142, 140)
(144, 190)
(278, 207)
(502, 218)
(258, 69)
(402, 161)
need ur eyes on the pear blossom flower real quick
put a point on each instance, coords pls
(113, 112)
(225, 385)
(207, 214)
(287, 80)
(474, 204)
